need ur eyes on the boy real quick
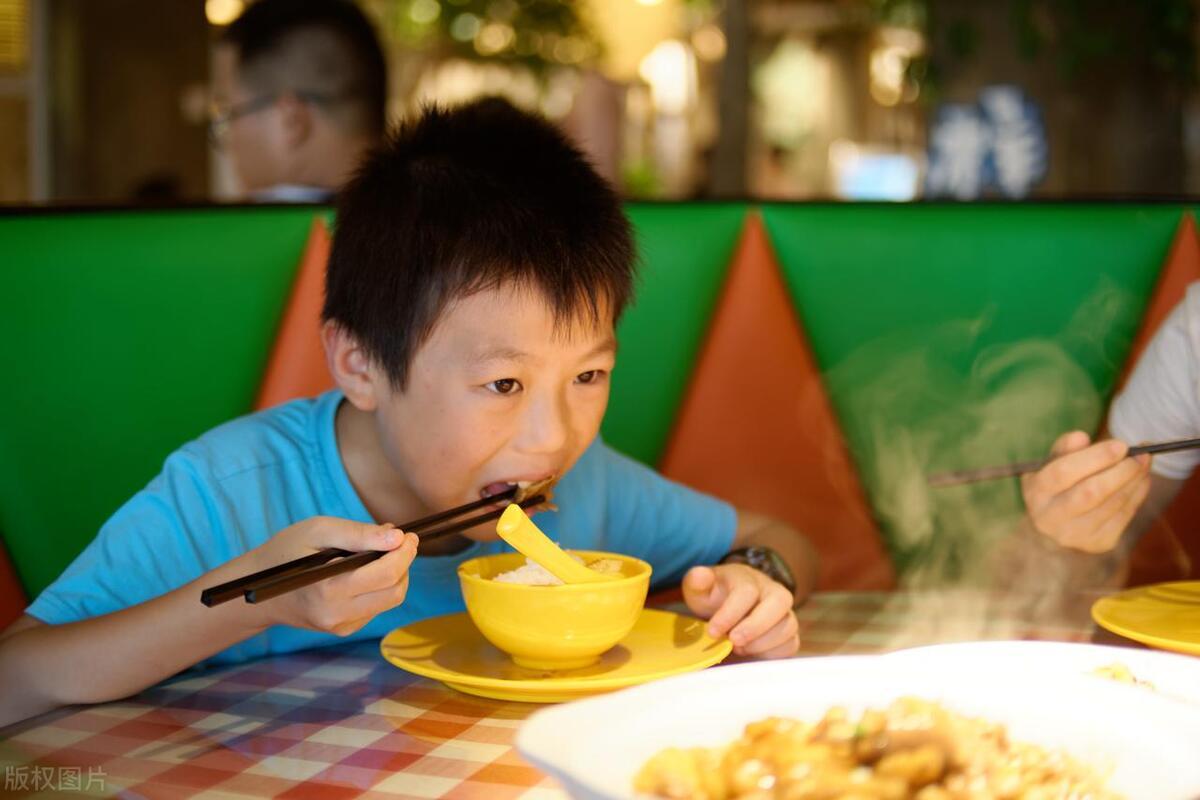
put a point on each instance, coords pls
(477, 273)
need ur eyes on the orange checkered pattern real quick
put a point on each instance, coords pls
(331, 723)
(878, 622)
(342, 723)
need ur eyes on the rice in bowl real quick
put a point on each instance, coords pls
(533, 574)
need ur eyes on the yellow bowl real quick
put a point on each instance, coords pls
(553, 627)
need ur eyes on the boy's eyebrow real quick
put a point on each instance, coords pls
(499, 353)
(507, 353)
(609, 345)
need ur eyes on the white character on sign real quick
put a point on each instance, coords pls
(959, 145)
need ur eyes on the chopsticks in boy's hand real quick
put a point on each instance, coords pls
(1022, 467)
(301, 572)
(275, 586)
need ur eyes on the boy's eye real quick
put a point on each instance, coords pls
(504, 386)
(591, 376)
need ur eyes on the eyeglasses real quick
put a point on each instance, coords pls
(221, 117)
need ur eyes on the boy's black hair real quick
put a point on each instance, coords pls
(325, 50)
(463, 200)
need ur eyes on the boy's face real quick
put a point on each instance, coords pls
(497, 394)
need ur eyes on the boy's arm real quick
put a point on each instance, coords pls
(757, 530)
(119, 654)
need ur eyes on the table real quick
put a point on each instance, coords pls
(340, 722)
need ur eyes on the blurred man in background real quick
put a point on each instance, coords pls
(299, 90)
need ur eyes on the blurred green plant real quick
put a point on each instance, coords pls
(1081, 36)
(640, 180)
(539, 34)
(901, 13)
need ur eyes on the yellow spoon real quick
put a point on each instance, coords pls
(516, 528)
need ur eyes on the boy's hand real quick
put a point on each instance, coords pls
(755, 611)
(1085, 498)
(346, 602)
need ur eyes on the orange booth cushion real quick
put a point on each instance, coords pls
(296, 367)
(757, 428)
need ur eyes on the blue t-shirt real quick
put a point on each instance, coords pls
(235, 486)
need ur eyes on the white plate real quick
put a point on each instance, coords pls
(596, 746)
(1171, 674)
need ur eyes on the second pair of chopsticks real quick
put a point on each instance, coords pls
(1022, 467)
(331, 561)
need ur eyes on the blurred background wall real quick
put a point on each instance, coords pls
(106, 101)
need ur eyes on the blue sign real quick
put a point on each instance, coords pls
(996, 144)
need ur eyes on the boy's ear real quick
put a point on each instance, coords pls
(350, 367)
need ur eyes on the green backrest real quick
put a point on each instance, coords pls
(127, 333)
(685, 252)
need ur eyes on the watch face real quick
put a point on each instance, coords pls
(758, 557)
(767, 561)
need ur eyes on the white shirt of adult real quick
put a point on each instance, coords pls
(1161, 400)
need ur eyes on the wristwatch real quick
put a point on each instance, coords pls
(766, 561)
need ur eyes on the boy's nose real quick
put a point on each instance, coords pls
(547, 425)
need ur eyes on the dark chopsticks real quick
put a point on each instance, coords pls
(300, 572)
(282, 585)
(1021, 467)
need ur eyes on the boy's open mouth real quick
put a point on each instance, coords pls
(500, 487)
(493, 489)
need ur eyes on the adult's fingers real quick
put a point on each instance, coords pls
(1068, 470)
(1069, 442)
(1099, 489)
(1101, 529)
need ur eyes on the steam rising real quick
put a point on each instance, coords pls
(922, 405)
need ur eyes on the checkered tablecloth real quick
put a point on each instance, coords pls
(342, 723)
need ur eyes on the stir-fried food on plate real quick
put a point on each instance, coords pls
(912, 749)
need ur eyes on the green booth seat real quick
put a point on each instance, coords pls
(130, 332)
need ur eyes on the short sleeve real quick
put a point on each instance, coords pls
(663, 522)
(165, 536)
(1160, 402)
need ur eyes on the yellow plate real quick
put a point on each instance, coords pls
(451, 650)
(1165, 615)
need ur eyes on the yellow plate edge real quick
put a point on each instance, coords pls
(545, 686)
(1099, 616)
(528, 697)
